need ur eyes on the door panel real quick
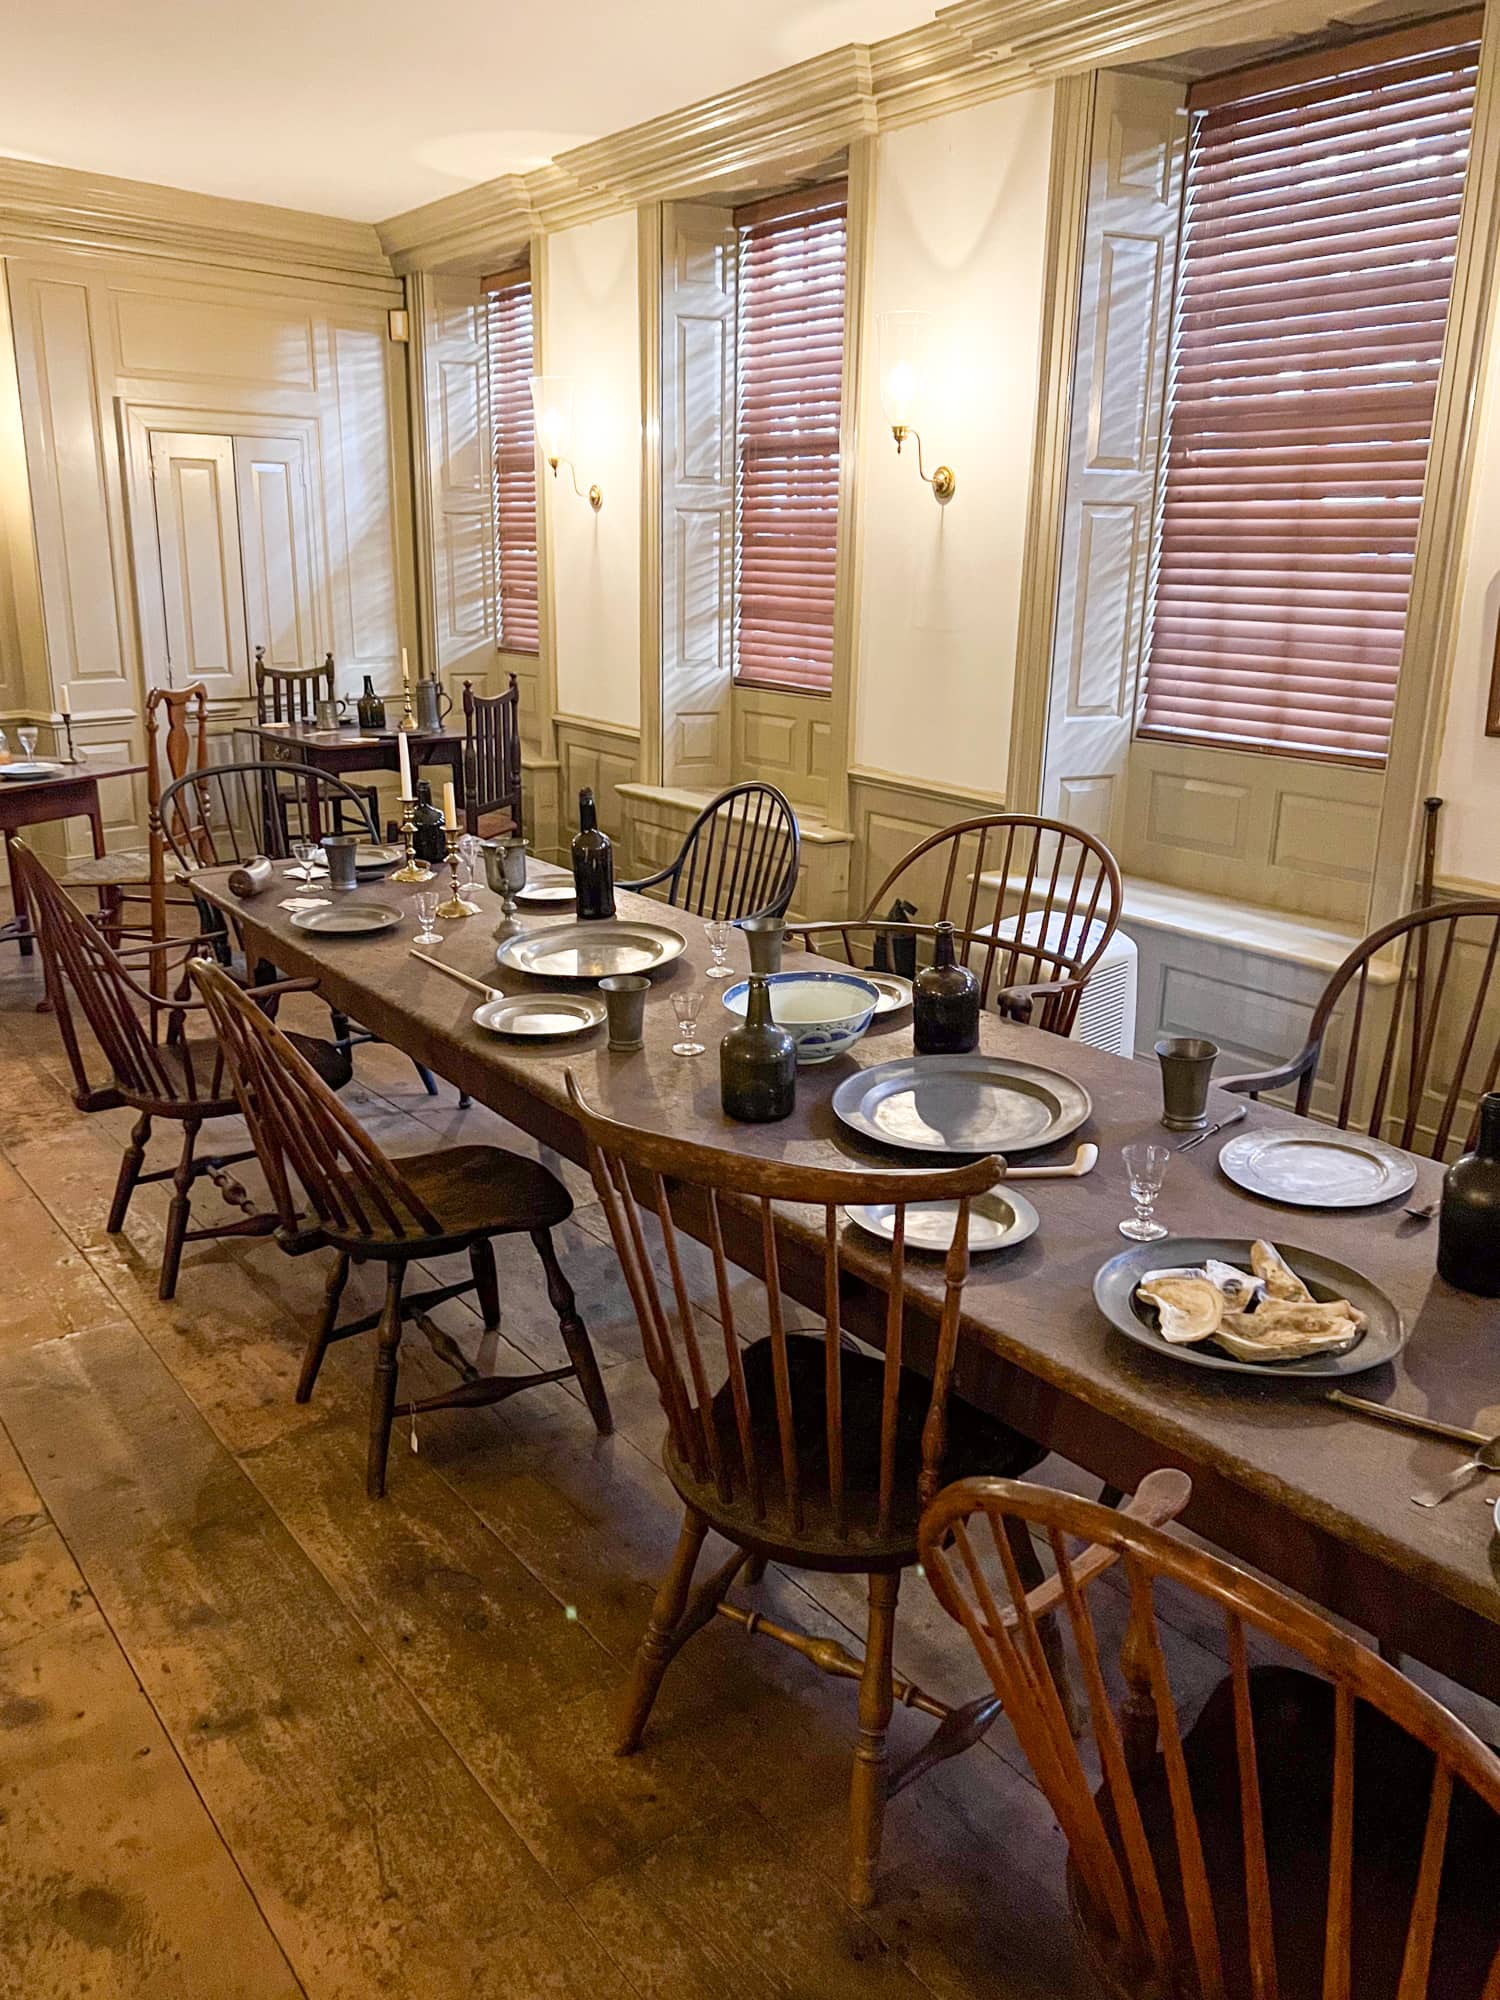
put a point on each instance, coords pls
(276, 548)
(198, 534)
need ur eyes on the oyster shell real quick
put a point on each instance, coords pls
(1277, 1275)
(1283, 1330)
(1189, 1306)
(1240, 1290)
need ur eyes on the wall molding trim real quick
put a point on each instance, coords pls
(59, 207)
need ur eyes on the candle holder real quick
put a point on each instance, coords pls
(408, 719)
(455, 905)
(411, 870)
(72, 756)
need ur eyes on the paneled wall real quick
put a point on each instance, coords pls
(298, 398)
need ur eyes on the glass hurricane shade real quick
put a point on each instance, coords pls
(552, 411)
(905, 343)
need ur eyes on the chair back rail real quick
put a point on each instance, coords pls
(300, 1131)
(1441, 1040)
(128, 1022)
(290, 694)
(739, 858)
(1052, 905)
(970, 1561)
(692, 1354)
(224, 814)
(492, 755)
(186, 750)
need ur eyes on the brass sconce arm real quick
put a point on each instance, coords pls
(941, 480)
(594, 497)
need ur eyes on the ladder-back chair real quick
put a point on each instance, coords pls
(492, 759)
(1314, 1836)
(739, 858)
(291, 694)
(796, 1448)
(1045, 896)
(1406, 1059)
(371, 1209)
(155, 1065)
(119, 878)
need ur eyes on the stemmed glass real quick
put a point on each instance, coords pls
(1147, 1167)
(469, 870)
(27, 740)
(718, 943)
(427, 901)
(304, 854)
(685, 1007)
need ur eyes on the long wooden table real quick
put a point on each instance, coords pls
(1314, 1495)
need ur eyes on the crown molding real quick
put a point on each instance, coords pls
(60, 207)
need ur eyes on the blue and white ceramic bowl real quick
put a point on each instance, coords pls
(823, 1012)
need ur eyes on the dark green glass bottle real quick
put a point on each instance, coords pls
(593, 863)
(758, 1063)
(429, 837)
(370, 708)
(944, 1003)
(1468, 1253)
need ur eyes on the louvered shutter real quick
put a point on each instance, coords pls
(790, 364)
(1322, 215)
(514, 461)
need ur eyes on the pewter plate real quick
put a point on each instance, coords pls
(961, 1104)
(1114, 1293)
(539, 1015)
(590, 950)
(1323, 1169)
(996, 1220)
(31, 767)
(347, 919)
(373, 856)
(894, 991)
(547, 895)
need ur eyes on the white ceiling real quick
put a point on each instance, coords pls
(363, 108)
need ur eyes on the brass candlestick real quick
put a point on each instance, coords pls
(455, 905)
(411, 870)
(408, 719)
(72, 756)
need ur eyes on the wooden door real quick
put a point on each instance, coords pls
(276, 550)
(197, 527)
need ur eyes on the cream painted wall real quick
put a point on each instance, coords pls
(1468, 778)
(960, 217)
(591, 315)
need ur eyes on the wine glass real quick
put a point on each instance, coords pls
(717, 934)
(304, 853)
(685, 1007)
(469, 870)
(27, 740)
(427, 901)
(1147, 1167)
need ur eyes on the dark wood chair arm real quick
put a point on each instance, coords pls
(1016, 1003)
(1253, 1082)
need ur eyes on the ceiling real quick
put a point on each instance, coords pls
(362, 108)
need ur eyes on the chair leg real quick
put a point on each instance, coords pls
(178, 1210)
(867, 1792)
(1048, 1631)
(383, 1389)
(429, 1081)
(575, 1334)
(657, 1646)
(130, 1172)
(317, 1347)
(486, 1282)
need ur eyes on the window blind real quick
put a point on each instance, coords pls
(514, 461)
(1321, 219)
(790, 366)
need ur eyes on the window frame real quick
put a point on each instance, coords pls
(514, 458)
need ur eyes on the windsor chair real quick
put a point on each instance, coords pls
(1437, 1051)
(155, 1065)
(492, 757)
(371, 1209)
(798, 1449)
(1044, 897)
(1292, 1844)
(114, 877)
(738, 859)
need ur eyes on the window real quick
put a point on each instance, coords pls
(1321, 219)
(790, 366)
(514, 461)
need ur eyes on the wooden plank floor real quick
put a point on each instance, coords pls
(260, 1737)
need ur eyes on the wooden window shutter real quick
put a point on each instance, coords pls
(1321, 221)
(790, 368)
(514, 461)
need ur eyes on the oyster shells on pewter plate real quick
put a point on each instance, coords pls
(1267, 1316)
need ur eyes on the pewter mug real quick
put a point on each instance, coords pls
(433, 702)
(341, 849)
(625, 1004)
(1187, 1063)
(764, 936)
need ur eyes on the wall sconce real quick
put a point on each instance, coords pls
(552, 409)
(905, 376)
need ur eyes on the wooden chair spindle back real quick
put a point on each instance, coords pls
(739, 858)
(492, 755)
(290, 694)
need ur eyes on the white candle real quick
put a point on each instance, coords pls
(450, 806)
(405, 670)
(62, 696)
(407, 791)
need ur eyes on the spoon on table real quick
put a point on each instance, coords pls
(1083, 1162)
(1486, 1458)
